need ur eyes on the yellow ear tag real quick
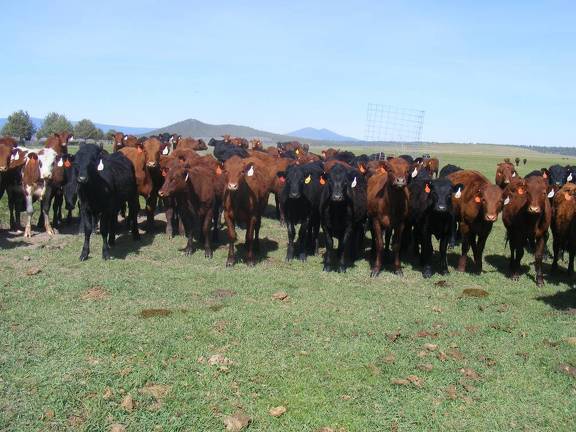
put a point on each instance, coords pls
(308, 179)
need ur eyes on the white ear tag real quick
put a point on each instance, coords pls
(100, 165)
(415, 172)
(551, 194)
(507, 201)
(354, 182)
(513, 174)
(60, 163)
(458, 193)
(569, 177)
(165, 151)
(250, 172)
(17, 156)
(187, 176)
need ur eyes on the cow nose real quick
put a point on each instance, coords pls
(337, 197)
(161, 193)
(2, 168)
(294, 195)
(400, 182)
(491, 217)
(151, 164)
(506, 181)
(233, 186)
(441, 207)
(82, 179)
(534, 209)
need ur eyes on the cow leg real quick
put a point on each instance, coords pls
(388, 236)
(396, 245)
(250, 259)
(133, 207)
(571, 261)
(169, 213)
(87, 222)
(453, 232)
(556, 249)
(303, 239)
(377, 245)
(329, 249)
(538, 255)
(57, 208)
(216, 221)
(29, 212)
(291, 229)
(443, 254)
(480, 245)
(344, 249)
(465, 231)
(257, 233)
(104, 229)
(206, 233)
(427, 255)
(150, 210)
(279, 210)
(231, 238)
(316, 235)
(45, 209)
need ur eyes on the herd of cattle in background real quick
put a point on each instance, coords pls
(401, 200)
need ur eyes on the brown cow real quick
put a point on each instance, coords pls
(12, 160)
(527, 214)
(8, 141)
(239, 142)
(193, 190)
(256, 144)
(190, 143)
(505, 173)
(117, 141)
(564, 225)
(432, 165)
(476, 208)
(388, 209)
(59, 142)
(245, 199)
(144, 183)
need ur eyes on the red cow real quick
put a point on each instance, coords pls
(476, 208)
(245, 199)
(527, 214)
(505, 173)
(564, 225)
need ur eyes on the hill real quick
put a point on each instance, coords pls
(320, 134)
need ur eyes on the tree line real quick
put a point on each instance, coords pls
(21, 126)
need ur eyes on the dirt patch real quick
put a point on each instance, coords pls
(151, 313)
(95, 293)
(474, 292)
(223, 293)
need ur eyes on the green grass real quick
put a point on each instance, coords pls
(324, 353)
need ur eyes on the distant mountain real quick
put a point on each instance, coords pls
(105, 127)
(198, 129)
(320, 134)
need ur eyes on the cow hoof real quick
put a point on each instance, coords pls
(342, 269)
(444, 272)
(50, 232)
(188, 252)
(83, 256)
(208, 254)
(230, 262)
(105, 255)
(540, 281)
(398, 272)
(427, 273)
(302, 257)
(251, 263)
(374, 273)
(326, 268)
(289, 257)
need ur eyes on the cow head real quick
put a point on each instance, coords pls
(505, 172)
(152, 148)
(398, 172)
(65, 138)
(237, 170)
(176, 177)
(537, 192)
(440, 193)
(490, 197)
(5, 156)
(87, 162)
(46, 162)
(338, 182)
(201, 145)
(556, 175)
(295, 179)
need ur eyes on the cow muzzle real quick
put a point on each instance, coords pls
(82, 179)
(400, 182)
(491, 217)
(534, 209)
(294, 195)
(151, 164)
(232, 186)
(2, 168)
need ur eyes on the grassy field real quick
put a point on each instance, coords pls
(154, 340)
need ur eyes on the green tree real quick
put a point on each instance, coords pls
(110, 134)
(99, 134)
(19, 125)
(55, 123)
(85, 129)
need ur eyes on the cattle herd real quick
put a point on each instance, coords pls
(402, 201)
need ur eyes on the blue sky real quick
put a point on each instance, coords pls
(489, 71)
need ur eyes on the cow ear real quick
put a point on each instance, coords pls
(281, 174)
(545, 172)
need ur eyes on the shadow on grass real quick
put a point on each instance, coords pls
(563, 300)
(502, 264)
(266, 246)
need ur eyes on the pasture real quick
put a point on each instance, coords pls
(155, 340)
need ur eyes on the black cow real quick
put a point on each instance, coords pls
(342, 212)
(407, 158)
(431, 213)
(300, 199)
(224, 150)
(557, 176)
(344, 156)
(105, 182)
(449, 169)
(535, 173)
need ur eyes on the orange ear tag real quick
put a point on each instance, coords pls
(567, 196)
(544, 175)
(362, 169)
(477, 199)
(218, 170)
(67, 164)
(381, 170)
(139, 149)
(163, 173)
(520, 191)
(322, 181)
(282, 179)
(427, 189)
